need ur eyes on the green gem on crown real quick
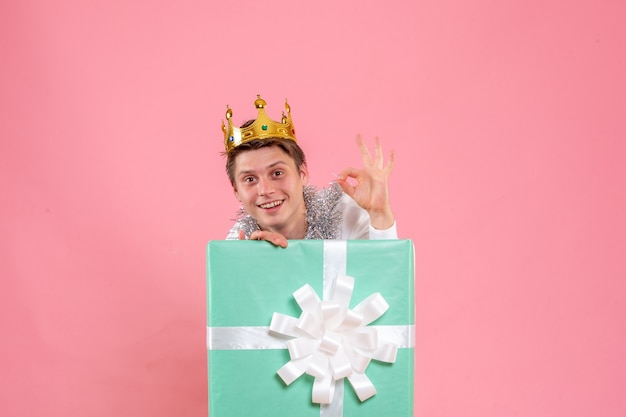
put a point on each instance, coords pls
(264, 127)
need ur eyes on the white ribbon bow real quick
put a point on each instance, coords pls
(331, 342)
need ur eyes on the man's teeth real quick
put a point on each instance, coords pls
(272, 204)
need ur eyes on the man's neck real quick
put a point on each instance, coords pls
(296, 230)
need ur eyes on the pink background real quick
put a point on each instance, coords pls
(508, 121)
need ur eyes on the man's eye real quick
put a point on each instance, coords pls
(248, 179)
(278, 173)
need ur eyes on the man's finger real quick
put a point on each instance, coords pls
(365, 153)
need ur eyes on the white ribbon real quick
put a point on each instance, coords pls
(331, 342)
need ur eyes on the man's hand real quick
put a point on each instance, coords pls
(371, 190)
(272, 237)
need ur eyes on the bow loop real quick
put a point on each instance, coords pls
(372, 308)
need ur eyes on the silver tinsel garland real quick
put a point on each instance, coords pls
(323, 214)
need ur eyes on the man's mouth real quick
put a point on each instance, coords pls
(271, 204)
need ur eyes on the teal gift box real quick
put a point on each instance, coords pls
(249, 281)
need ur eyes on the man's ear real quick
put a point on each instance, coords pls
(236, 193)
(304, 174)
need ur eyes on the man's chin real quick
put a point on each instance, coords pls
(268, 223)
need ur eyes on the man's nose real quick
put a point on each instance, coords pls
(265, 186)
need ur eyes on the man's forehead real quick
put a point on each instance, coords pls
(262, 158)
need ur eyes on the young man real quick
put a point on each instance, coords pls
(269, 175)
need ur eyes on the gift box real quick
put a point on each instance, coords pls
(320, 328)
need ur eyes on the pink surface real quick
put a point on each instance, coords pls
(509, 125)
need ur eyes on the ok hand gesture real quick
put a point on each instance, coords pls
(371, 190)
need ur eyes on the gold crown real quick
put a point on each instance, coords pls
(262, 128)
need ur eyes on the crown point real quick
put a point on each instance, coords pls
(229, 113)
(259, 103)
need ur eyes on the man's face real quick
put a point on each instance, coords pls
(269, 186)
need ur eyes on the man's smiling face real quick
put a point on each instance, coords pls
(270, 188)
